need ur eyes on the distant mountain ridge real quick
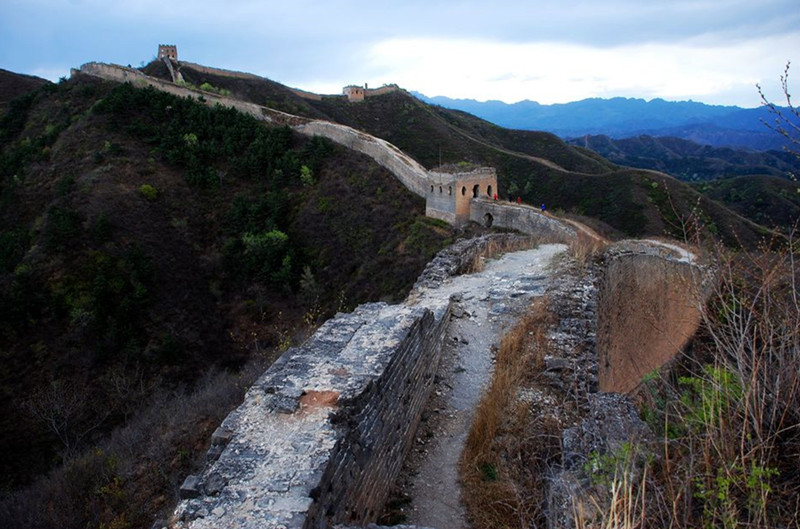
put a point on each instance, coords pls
(688, 160)
(619, 117)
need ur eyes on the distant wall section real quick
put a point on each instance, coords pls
(355, 93)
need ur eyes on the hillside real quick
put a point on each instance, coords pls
(687, 160)
(150, 248)
(540, 168)
(767, 200)
(619, 117)
(14, 85)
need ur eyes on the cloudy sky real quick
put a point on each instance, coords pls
(550, 51)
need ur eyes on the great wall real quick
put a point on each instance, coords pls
(322, 435)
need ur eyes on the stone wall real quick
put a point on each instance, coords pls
(129, 75)
(410, 172)
(520, 217)
(322, 435)
(648, 308)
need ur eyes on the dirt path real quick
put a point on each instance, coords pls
(489, 302)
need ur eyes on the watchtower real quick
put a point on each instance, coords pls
(354, 93)
(169, 51)
(450, 193)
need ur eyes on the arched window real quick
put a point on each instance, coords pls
(440, 189)
(463, 191)
(449, 190)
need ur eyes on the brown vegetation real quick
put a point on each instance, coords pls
(510, 447)
(729, 414)
(496, 247)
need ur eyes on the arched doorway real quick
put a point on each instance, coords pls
(476, 190)
(488, 220)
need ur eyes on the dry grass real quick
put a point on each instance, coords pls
(497, 246)
(585, 247)
(508, 448)
(623, 506)
(729, 415)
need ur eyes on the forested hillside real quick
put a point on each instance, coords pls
(155, 254)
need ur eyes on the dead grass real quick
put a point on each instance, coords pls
(497, 246)
(509, 448)
(585, 247)
(729, 414)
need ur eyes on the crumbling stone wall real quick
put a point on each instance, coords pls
(519, 217)
(321, 436)
(323, 433)
(648, 308)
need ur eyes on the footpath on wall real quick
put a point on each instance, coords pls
(487, 304)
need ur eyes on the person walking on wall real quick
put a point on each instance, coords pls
(542, 207)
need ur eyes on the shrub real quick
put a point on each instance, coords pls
(149, 192)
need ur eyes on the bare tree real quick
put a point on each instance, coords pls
(786, 120)
(65, 411)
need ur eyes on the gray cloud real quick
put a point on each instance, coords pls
(312, 40)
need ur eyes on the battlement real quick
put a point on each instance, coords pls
(450, 192)
(169, 51)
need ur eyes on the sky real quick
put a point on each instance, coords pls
(549, 51)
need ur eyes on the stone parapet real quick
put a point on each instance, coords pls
(323, 433)
(410, 172)
(520, 217)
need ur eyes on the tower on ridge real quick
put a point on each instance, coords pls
(168, 50)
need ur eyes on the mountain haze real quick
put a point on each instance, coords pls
(719, 126)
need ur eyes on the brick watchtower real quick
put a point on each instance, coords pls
(168, 50)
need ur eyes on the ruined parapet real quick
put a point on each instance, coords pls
(449, 194)
(323, 433)
(649, 306)
(520, 217)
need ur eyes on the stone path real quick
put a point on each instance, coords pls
(490, 302)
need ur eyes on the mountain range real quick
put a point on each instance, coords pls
(619, 117)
